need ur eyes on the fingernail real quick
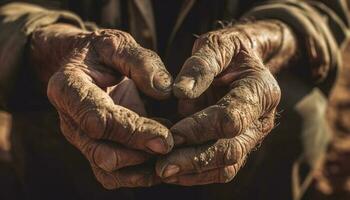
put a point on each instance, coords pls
(162, 81)
(171, 170)
(178, 140)
(170, 180)
(157, 146)
(185, 83)
(183, 87)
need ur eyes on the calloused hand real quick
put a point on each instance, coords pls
(101, 116)
(226, 76)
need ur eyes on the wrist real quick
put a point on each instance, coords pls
(50, 45)
(285, 48)
(272, 40)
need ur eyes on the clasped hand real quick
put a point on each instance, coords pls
(226, 93)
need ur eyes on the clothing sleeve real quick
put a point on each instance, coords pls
(17, 22)
(322, 28)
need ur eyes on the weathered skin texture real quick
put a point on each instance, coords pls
(100, 115)
(229, 76)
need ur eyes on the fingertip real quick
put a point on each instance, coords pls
(183, 87)
(165, 169)
(161, 145)
(151, 136)
(157, 146)
(160, 166)
(149, 73)
(107, 180)
(162, 82)
(194, 78)
(170, 170)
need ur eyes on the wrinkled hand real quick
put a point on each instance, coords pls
(95, 108)
(227, 73)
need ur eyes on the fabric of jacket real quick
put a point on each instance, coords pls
(282, 168)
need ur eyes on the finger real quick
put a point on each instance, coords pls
(73, 93)
(221, 175)
(128, 177)
(107, 156)
(211, 54)
(125, 94)
(251, 99)
(222, 153)
(119, 50)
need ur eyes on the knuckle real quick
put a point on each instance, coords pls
(196, 127)
(271, 91)
(220, 45)
(214, 121)
(233, 122)
(233, 151)
(93, 121)
(125, 36)
(211, 38)
(199, 42)
(114, 34)
(109, 43)
(88, 148)
(239, 123)
(275, 93)
(267, 123)
(275, 90)
(91, 110)
(105, 158)
(251, 98)
(147, 59)
(239, 148)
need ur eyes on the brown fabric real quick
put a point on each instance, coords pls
(17, 22)
(322, 49)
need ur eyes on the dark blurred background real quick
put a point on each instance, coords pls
(332, 181)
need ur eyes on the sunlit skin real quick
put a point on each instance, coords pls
(226, 90)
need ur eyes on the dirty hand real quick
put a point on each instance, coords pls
(101, 115)
(230, 71)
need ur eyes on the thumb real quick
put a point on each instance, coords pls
(211, 54)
